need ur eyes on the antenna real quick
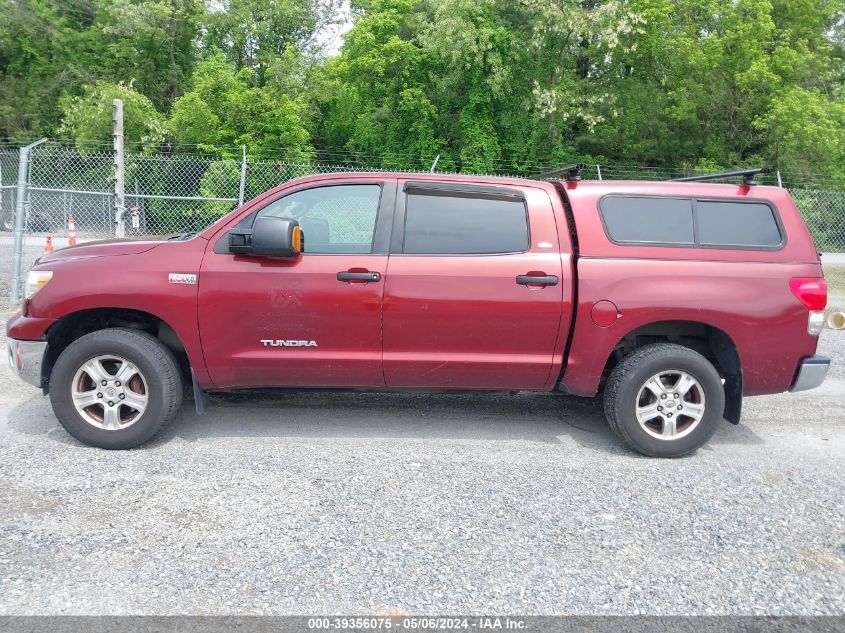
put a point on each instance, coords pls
(570, 173)
(434, 164)
(747, 176)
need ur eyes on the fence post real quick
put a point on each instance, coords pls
(243, 177)
(119, 192)
(20, 218)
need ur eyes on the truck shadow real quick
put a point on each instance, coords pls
(313, 414)
(532, 417)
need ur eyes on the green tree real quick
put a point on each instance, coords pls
(255, 34)
(483, 82)
(38, 46)
(224, 109)
(88, 117)
(49, 50)
(148, 42)
(805, 132)
(490, 85)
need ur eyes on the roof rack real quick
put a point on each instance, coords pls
(571, 173)
(747, 176)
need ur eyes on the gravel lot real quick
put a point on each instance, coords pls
(326, 503)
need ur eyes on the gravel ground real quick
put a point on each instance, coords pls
(391, 503)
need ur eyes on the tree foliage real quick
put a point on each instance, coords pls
(50, 50)
(88, 117)
(224, 108)
(489, 85)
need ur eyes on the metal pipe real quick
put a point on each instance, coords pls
(243, 177)
(747, 176)
(117, 136)
(152, 196)
(108, 194)
(570, 172)
(836, 321)
(20, 218)
(146, 196)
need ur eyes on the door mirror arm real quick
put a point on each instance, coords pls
(240, 241)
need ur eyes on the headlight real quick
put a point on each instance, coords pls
(35, 281)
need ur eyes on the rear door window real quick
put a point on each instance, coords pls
(449, 223)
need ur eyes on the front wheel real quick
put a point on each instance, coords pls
(664, 400)
(115, 388)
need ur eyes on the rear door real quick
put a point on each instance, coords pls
(474, 288)
(313, 321)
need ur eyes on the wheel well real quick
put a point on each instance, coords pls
(709, 341)
(72, 326)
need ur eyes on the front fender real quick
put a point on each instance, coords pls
(139, 282)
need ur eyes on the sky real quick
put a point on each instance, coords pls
(332, 38)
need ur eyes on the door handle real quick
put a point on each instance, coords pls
(358, 277)
(530, 280)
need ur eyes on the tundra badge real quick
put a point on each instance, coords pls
(266, 342)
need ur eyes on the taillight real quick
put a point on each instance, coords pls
(810, 291)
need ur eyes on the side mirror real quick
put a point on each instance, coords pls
(268, 237)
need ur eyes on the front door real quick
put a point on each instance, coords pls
(313, 321)
(475, 288)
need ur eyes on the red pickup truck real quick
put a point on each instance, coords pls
(674, 299)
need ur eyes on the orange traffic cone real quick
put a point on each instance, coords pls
(71, 231)
(48, 247)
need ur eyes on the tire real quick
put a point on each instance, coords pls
(648, 379)
(146, 400)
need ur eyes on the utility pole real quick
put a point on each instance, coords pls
(119, 174)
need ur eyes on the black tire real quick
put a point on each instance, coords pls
(629, 377)
(152, 358)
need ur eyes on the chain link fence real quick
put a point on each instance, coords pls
(8, 197)
(169, 193)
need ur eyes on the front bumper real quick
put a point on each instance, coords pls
(811, 373)
(26, 358)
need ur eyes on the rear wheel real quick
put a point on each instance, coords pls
(664, 400)
(115, 388)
